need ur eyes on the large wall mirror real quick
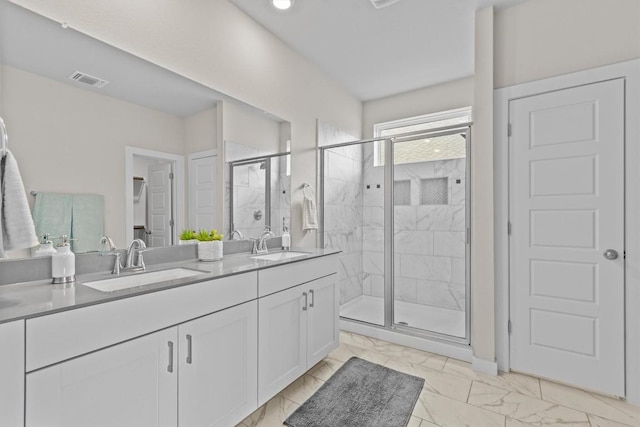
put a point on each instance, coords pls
(149, 146)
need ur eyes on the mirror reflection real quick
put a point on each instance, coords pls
(85, 118)
(260, 195)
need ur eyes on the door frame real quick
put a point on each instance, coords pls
(630, 72)
(178, 187)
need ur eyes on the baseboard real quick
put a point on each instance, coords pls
(488, 367)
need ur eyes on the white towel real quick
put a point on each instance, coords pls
(309, 214)
(17, 230)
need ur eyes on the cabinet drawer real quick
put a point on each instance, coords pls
(276, 279)
(60, 336)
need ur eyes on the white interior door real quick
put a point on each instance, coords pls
(160, 223)
(566, 210)
(202, 192)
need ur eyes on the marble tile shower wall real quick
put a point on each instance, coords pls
(248, 193)
(343, 216)
(429, 240)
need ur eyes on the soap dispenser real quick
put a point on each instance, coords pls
(286, 237)
(46, 247)
(63, 263)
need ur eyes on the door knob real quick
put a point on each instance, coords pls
(610, 254)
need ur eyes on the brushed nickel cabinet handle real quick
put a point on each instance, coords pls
(313, 298)
(189, 358)
(306, 301)
(170, 367)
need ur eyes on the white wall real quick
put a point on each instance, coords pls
(482, 260)
(214, 43)
(247, 126)
(72, 140)
(545, 38)
(201, 131)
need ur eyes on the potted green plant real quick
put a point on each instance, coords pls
(209, 245)
(187, 237)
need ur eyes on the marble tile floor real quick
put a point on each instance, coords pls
(456, 396)
(370, 309)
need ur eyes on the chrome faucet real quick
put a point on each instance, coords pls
(107, 243)
(236, 232)
(133, 260)
(260, 245)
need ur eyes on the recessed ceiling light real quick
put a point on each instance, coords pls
(436, 151)
(282, 4)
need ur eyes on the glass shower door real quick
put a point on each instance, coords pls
(430, 233)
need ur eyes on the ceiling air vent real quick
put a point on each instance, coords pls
(383, 3)
(88, 79)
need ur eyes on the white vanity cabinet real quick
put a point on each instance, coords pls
(282, 341)
(12, 374)
(322, 319)
(185, 356)
(298, 325)
(129, 384)
(204, 370)
(206, 354)
(218, 367)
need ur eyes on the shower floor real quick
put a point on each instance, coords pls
(366, 308)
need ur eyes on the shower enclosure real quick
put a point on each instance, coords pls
(259, 194)
(398, 209)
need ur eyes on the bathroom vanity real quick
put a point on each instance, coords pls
(207, 349)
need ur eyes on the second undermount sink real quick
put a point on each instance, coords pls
(280, 256)
(141, 279)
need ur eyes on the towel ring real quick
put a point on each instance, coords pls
(5, 138)
(306, 187)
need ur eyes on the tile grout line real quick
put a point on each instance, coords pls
(530, 397)
(540, 387)
(469, 393)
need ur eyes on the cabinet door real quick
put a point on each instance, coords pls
(130, 384)
(218, 367)
(12, 374)
(322, 323)
(282, 340)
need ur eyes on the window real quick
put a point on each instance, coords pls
(420, 150)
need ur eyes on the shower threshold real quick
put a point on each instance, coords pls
(366, 308)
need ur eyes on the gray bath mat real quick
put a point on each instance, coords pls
(360, 394)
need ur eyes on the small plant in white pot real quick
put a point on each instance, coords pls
(209, 245)
(187, 237)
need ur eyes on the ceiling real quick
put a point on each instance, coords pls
(375, 53)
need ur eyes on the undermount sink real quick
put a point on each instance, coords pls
(280, 256)
(141, 279)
